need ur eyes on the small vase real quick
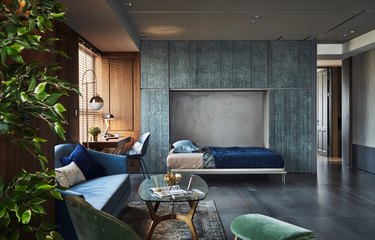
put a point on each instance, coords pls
(94, 138)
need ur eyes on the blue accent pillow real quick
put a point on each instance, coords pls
(86, 163)
(184, 146)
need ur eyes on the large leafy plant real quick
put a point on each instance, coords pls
(29, 93)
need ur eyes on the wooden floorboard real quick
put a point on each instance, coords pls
(337, 202)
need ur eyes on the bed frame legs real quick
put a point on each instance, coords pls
(283, 178)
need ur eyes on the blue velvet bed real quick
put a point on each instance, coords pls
(246, 157)
(228, 160)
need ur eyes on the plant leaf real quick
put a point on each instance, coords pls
(52, 99)
(2, 212)
(45, 187)
(59, 130)
(37, 200)
(38, 209)
(59, 108)
(40, 88)
(56, 235)
(32, 83)
(15, 235)
(22, 31)
(56, 194)
(24, 97)
(4, 127)
(26, 216)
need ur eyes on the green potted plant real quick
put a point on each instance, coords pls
(94, 132)
(29, 92)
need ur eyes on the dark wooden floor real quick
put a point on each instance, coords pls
(336, 203)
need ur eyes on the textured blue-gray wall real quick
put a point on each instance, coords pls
(285, 68)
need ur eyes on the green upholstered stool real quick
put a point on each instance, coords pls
(260, 227)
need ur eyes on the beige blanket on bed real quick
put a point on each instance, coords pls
(184, 160)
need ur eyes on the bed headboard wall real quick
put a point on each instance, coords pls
(222, 119)
(286, 70)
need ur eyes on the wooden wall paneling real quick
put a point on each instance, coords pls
(121, 94)
(69, 72)
(155, 64)
(290, 129)
(105, 88)
(136, 95)
(155, 119)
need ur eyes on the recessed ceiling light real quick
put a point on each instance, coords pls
(345, 35)
(351, 31)
(257, 16)
(143, 34)
(128, 4)
(253, 21)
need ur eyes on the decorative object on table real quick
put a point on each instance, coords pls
(96, 102)
(206, 221)
(107, 118)
(94, 132)
(172, 178)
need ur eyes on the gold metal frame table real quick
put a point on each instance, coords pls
(153, 202)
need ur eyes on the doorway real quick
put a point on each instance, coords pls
(329, 111)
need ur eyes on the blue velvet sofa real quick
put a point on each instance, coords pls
(107, 193)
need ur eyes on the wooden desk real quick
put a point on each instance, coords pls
(103, 143)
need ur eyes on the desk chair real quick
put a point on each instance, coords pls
(138, 150)
(93, 224)
(120, 148)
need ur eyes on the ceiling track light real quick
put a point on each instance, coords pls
(128, 4)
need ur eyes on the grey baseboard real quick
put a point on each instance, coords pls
(364, 158)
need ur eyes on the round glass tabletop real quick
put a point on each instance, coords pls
(155, 189)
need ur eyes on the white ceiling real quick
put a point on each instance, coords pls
(112, 26)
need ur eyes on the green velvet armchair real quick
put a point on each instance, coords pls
(93, 224)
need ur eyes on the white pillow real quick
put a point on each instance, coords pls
(69, 175)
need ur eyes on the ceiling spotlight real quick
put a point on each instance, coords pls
(143, 34)
(253, 21)
(351, 31)
(128, 4)
(257, 16)
(345, 35)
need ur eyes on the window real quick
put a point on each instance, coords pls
(89, 63)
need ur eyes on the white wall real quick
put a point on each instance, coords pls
(219, 118)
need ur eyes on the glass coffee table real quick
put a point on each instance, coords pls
(192, 197)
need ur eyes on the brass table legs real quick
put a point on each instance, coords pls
(188, 218)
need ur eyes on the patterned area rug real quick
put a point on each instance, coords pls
(206, 221)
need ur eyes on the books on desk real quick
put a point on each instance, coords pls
(174, 192)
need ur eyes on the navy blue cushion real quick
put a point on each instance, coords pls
(86, 163)
(184, 146)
